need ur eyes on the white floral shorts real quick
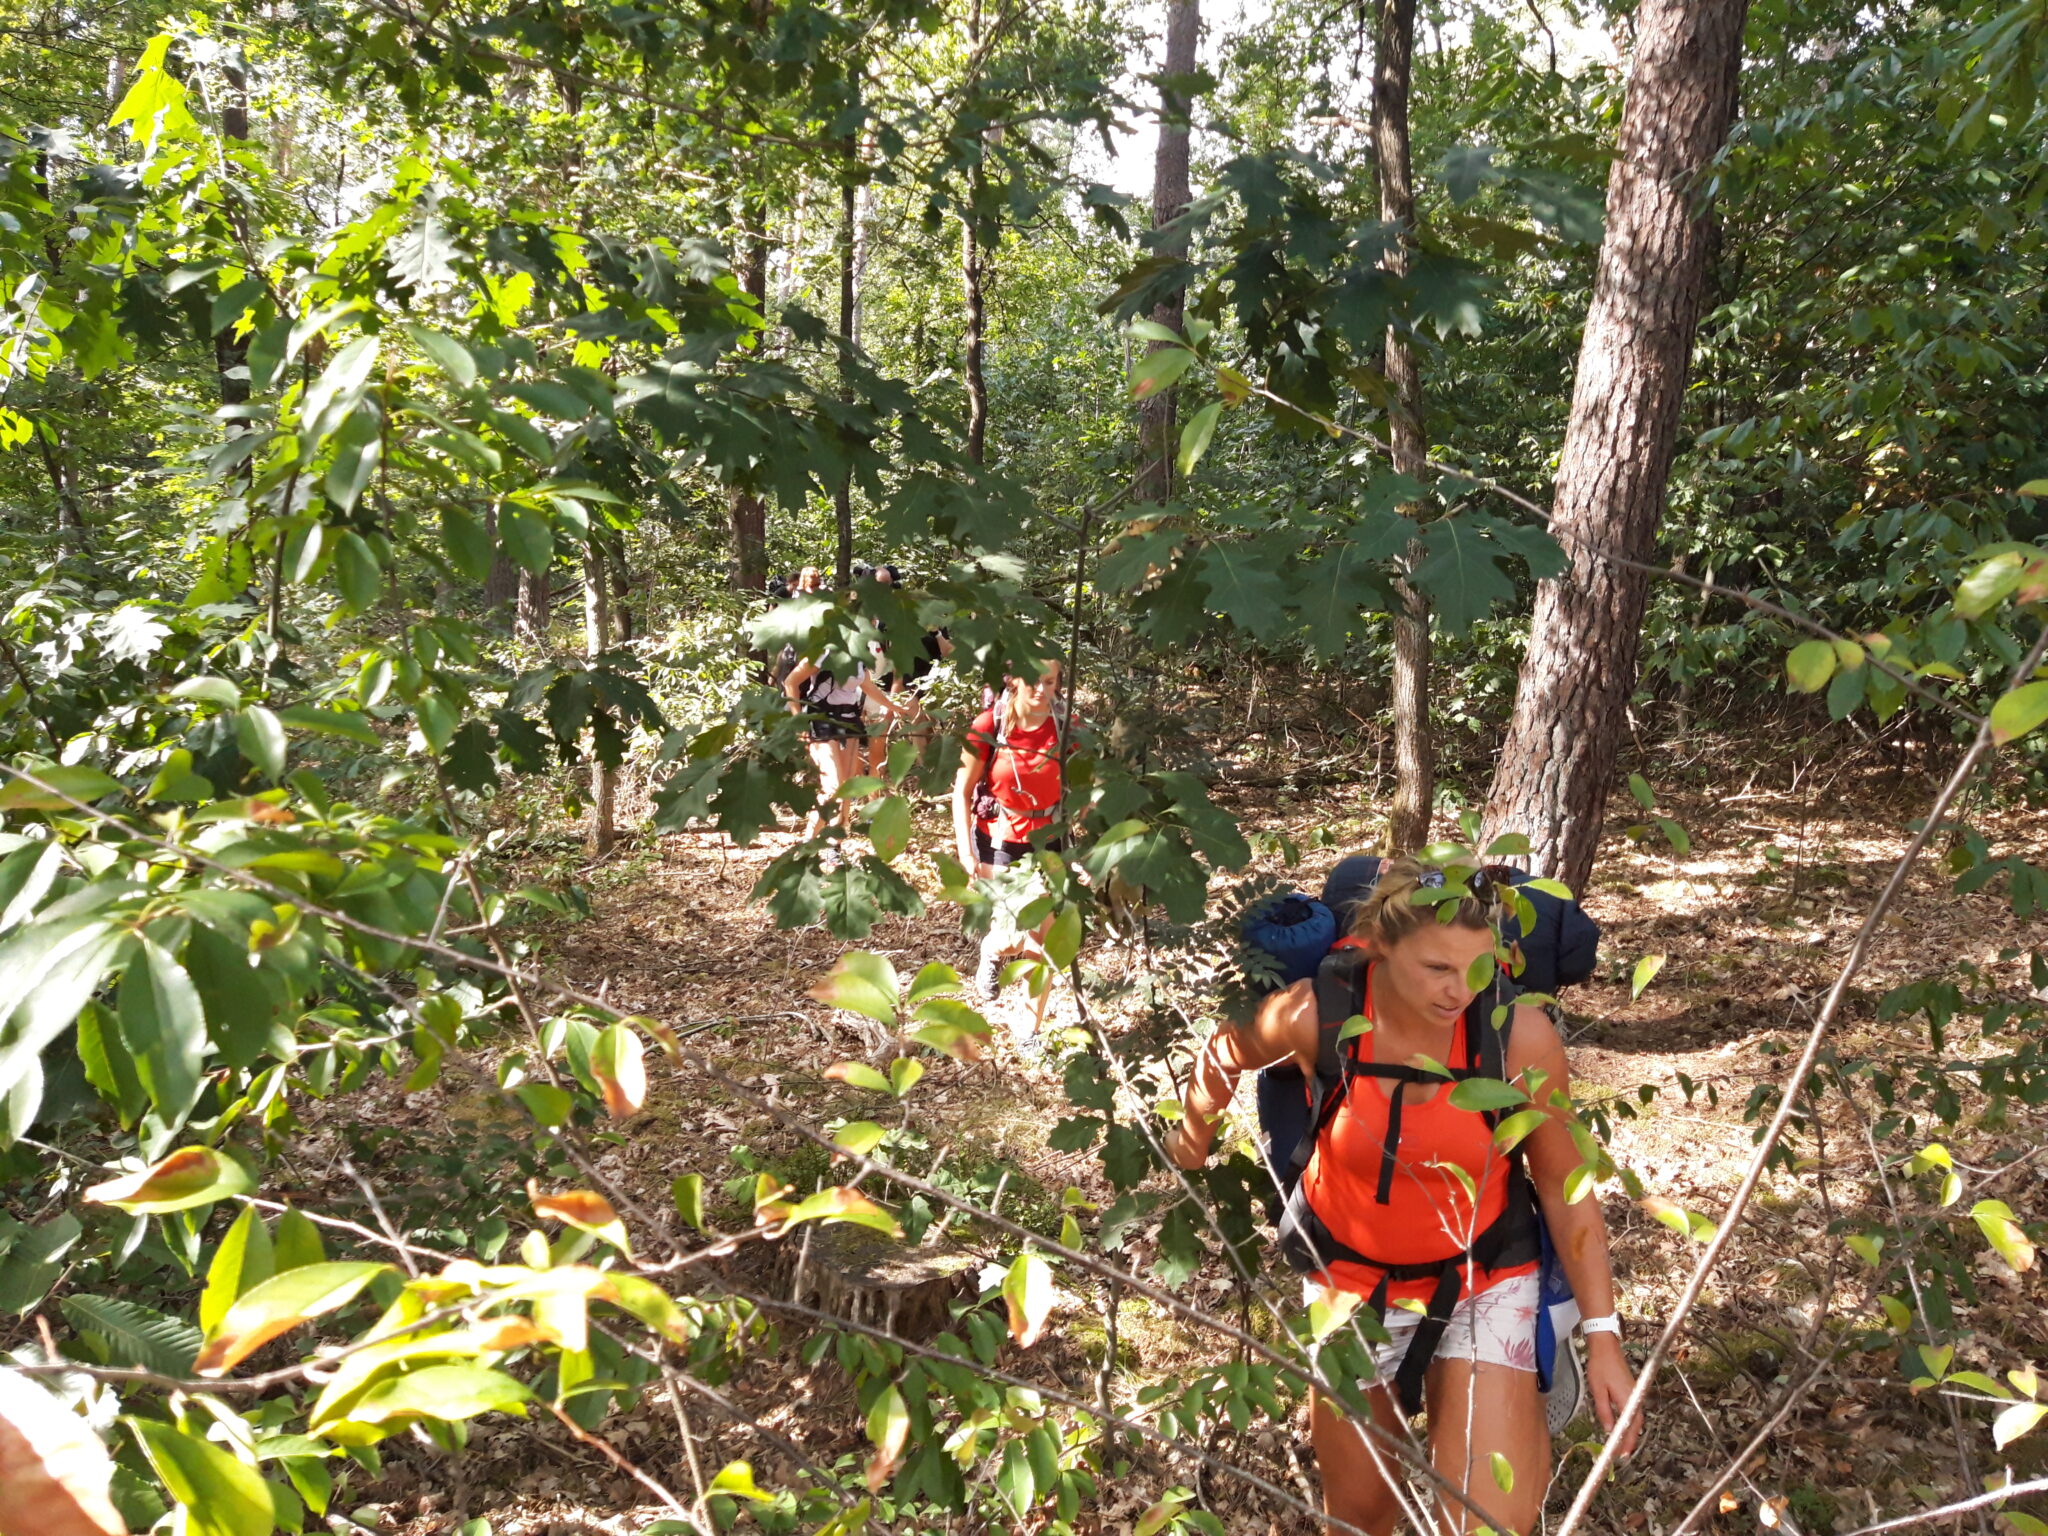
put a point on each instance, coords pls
(1496, 1326)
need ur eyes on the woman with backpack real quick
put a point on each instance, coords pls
(1406, 1201)
(833, 706)
(1009, 788)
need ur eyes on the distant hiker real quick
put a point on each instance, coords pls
(833, 707)
(907, 689)
(1403, 1197)
(1007, 795)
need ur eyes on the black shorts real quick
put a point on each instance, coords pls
(831, 725)
(1003, 855)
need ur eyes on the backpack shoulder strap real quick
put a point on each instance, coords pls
(1340, 996)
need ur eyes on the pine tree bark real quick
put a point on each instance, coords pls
(1414, 747)
(1554, 774)
(604, 778)
(1170, 197)
(747, 513)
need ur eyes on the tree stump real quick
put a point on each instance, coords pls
(865, 1277)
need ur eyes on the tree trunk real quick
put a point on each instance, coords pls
(604, 778)
(1414, 749)
(623, 626)
(231, 352)
(1554, 775)
(501, 582)
(1170, 196)
(747, 514)
(536, 599)
(842, 499)
(970, 284)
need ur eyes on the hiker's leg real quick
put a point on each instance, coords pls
(825, 758)
(1479, 1409)
(1355, 1486)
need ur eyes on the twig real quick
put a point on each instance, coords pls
(1962, 1506)
(617, 1458)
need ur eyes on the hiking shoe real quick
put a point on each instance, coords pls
(987, 975)
(1567, 1392)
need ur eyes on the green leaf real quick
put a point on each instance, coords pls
(2019, 712)
(1808, 667)
(528, 540)
(2016, 1421)
(445, 1392)
(296, 1242)
(1517, 1128)
(220, 1494)
(163, 1024)
(467, 543)
(2002, 1230)
(1029, 1295)
(858, 1074)
(135, 1335)
(1639, 786)
(1158, 371)
(350, 723)
(1679, 839)
(889, 828)
(1245, 589)
(850, 1205)
(1195, 436)
(260, 735)
(1645, 972)
(860, 1137)
(242, 1260)
(1503, 1473)
(1508, 845)
(861, 983)
(2035, 488)
(356, 571)
(276, 1306)
(1990, 584)
(1063, 939)
(446, 354)
(77, 780)
(213, 690)
(1479, 1094)
(1461, 573)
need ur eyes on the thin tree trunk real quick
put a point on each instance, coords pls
(624, 626)
(1555, 772)
(842, 498)
(57, 462)
(536, 600)
(231, 352)
(1170, 196)
(970, 284)
(1414, 747)
(604, 778)
(746, 513)
(501, 582)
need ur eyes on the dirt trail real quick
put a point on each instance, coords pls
(1752, 923)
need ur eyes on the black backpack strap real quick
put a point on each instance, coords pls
(1340, 997)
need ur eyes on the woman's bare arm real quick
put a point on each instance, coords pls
(972, 766)
(1579, 1231)
(1285, 1025)
(792, 685)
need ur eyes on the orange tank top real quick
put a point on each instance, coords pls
(1432, 1213)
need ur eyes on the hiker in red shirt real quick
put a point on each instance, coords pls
(1009, 789)
(1407, 1200)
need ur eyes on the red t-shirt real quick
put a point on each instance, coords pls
(1025, 776)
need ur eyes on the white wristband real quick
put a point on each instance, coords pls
(1611, 1323)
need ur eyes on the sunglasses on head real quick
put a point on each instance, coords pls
(1485, 882)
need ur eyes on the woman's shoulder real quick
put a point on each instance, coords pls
(983, 727)
(1533, 1041)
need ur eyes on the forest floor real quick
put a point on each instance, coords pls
(1753, 923)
